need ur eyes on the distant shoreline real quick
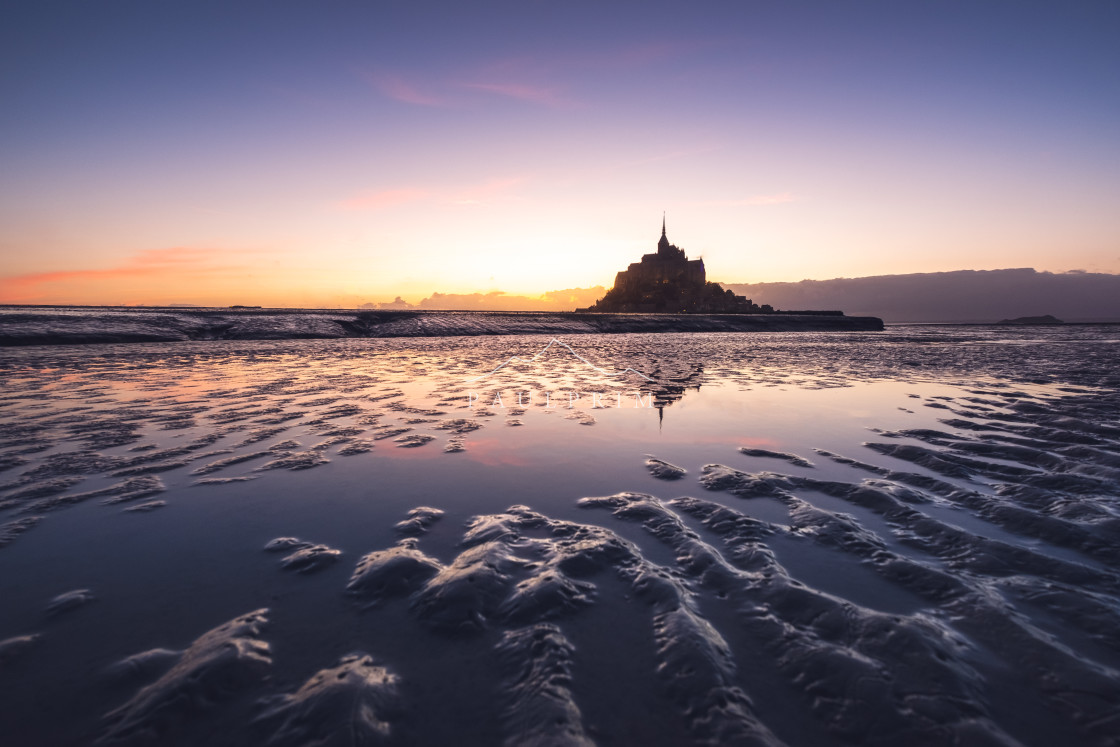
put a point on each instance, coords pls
(77, 325)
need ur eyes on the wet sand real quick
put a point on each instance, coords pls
(909, 537)
(45, 325)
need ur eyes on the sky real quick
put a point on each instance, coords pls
(341, 152)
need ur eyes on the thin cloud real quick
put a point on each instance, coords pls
(173, 262)
(398, 89)
(518, 77)
(481, 194)
(496, 76)
(558, 300)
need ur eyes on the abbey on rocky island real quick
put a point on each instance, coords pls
(667, 281)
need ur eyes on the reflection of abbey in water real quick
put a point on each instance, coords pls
(673, 390)
(669, 282)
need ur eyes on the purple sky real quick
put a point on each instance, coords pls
(335, 153)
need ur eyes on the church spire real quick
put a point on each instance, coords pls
(663, 223)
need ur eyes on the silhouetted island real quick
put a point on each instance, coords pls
(668, 282)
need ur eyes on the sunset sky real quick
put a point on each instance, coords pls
(336, 153)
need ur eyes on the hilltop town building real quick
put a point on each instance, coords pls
(667, 281)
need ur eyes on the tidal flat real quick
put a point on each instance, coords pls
(874, 538)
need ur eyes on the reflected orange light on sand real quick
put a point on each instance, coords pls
(494, 452)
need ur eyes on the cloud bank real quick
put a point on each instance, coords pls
(141, 270)
(557, 300)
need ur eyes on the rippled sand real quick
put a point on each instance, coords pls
(910, 537)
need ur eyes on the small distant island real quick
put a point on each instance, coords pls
(668, 282)
(1047, 319)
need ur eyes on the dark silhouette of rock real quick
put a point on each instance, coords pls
(667, 281)
(1048, 319)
